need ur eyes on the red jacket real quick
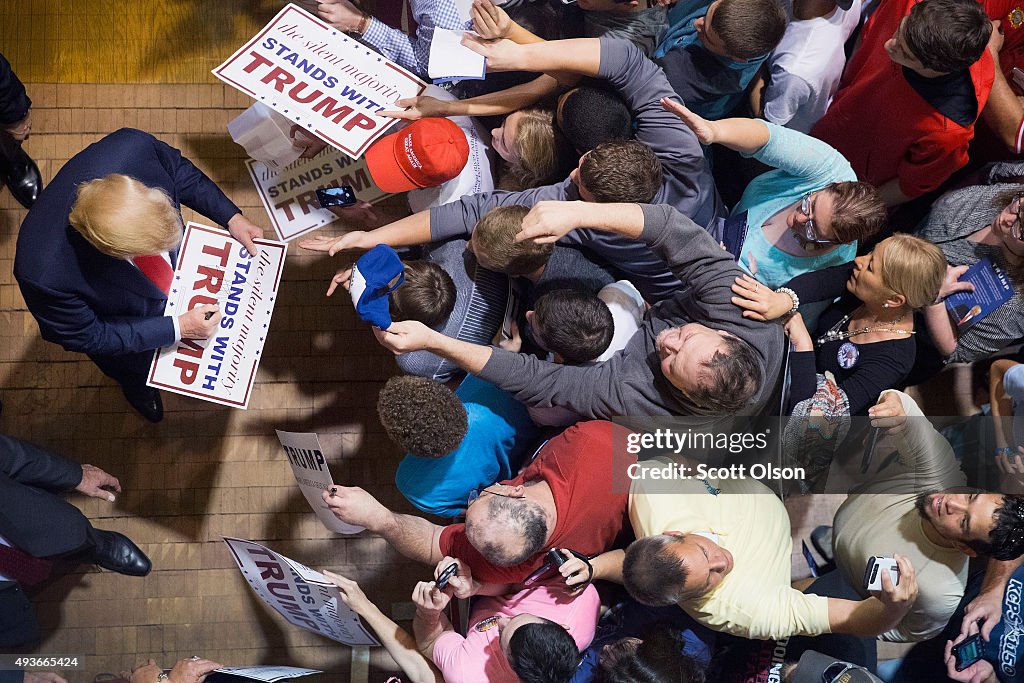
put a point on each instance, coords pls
(883, 127)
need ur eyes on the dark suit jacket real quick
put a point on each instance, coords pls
(36, 521)
(87, 301)
(14, 102)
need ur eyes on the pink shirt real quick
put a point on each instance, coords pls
(478, 656)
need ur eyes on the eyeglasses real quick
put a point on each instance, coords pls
(834, 670)
(1017, 229)
(810, 235)
(476, 493)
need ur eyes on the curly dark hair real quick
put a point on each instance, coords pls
(424, 418)
(1006, 540)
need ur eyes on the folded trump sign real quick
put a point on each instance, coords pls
(213, 268)
(327, 83)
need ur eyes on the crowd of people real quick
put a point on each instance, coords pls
(689, 209)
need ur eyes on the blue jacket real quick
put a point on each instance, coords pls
(87, 301)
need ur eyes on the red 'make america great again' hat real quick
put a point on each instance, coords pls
(425, 153)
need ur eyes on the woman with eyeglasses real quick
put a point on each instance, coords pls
(805, 215)
(865, 339)
(969, 224)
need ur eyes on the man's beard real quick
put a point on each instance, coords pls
(922, 503)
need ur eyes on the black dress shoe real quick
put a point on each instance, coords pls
(145, 400)
(23, 178)
(117, 553)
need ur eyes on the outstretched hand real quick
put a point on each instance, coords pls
(501, 55)
(404, 337)
(416, 108)
(758, 300)
(98, 484)
(332, 245)
(706, 131)
(888, 413)
(490, 21)
(951, 282)
(353, 505)
(549, 221)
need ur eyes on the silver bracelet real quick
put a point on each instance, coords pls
(792, 295)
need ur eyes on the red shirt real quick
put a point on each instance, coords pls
(579, 465)
(883, 127)
(988, 146)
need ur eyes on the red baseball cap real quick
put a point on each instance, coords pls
(425, 153)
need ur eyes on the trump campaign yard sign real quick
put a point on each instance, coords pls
(214, 268)
(289, 194)
(303, 596)
(331, 85)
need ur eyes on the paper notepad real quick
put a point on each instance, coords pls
(450, 60)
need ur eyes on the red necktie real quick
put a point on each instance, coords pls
(157, 269)
(22, 567)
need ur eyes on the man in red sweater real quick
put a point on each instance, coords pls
(573, 495)
(906, 107)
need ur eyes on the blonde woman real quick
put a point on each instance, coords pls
(866, 338)
(95, 256)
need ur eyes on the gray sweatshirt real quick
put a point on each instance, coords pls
(687, 184)
(630, 383)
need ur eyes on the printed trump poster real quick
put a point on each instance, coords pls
(302, 596)
(289, 194)
(313, 476)
(213, 268)
(324, 81)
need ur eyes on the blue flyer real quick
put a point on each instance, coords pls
(992, 288)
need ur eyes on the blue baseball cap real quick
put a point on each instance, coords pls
(375, 275)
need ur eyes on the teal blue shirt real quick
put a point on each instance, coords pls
(802, 164)
(499, 436)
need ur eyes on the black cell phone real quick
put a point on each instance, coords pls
(869, 450)
(445, 576)
(555, 557)
(336, 196)
(968, 651)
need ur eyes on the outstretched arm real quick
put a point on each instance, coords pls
(879, 613)
(742, 135)
(491, 104)
(413, 537)
(405, 232)
(399, 644)
(986, 610)
(578, 55)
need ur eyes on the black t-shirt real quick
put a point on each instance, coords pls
(870, 368)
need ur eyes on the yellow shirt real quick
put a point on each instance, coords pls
(755, 599)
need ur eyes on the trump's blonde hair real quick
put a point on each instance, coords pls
(123, 217)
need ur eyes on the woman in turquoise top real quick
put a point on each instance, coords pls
(805, 215)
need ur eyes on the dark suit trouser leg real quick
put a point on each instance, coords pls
(18, 625)
(39, 522)
(8, 150)
(129, 370)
